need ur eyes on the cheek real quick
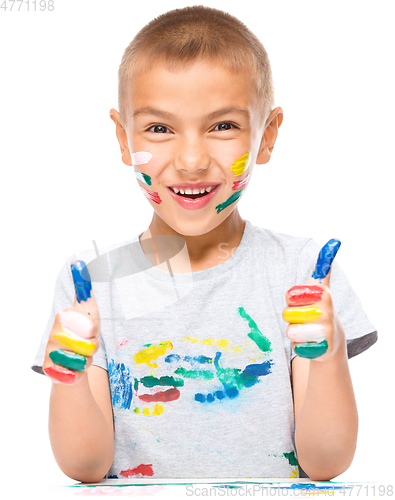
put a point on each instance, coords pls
(142, 160)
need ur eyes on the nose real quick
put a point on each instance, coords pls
(191, 155)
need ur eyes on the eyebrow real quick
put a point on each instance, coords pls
(170, 116)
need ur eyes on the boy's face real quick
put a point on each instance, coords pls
(201, 124)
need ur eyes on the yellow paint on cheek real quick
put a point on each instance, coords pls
(241, 164)
(151, 353)
(301, 314)
(84, 347)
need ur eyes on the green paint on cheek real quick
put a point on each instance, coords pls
(229, 201)
(311, 350)
(69, 360)
(195, 374)
(260, 340)
(143, 178)
(151, 381)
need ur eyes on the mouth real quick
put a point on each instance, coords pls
(194, 201)
(193, 191)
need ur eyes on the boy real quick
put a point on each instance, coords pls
(195, 373)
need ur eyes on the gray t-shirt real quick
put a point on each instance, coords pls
(199, 363)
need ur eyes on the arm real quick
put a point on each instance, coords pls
(326, 418)
(81, 426)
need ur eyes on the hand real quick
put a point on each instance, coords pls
(74, 337)
(315, 329)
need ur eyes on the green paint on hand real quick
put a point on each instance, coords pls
(260, 340)
(291, 457)
(311, 350)
(143, 178)
(195, 374)
(151, 381)
(70, 360)
(229, 201)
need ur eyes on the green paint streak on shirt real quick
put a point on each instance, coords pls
(260, 340)
(151, 381)
(229, 201)
(291, 457)
(194, 374)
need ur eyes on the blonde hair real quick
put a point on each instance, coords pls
(180, 36)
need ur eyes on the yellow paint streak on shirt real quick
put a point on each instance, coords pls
(146, 411)
(158, 409)
(241, 164)
(225, 344)
(152, 352)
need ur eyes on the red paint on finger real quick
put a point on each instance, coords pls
(304, 294)
(60, 374)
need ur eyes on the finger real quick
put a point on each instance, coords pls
(306, 314)
(301, 295)
(310, 350)
(324, 263)
(58, 374)
(308, 332)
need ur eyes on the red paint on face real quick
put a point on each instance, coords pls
(143, 469)
(162, 396)
(151, 195)
(60, 374)
(240, 184)
(304, 294)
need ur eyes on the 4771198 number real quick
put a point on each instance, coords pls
(27, 5)
(367, 489)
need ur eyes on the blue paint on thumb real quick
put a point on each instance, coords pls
(325, 258)
(82, 280)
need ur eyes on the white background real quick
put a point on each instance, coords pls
(63, 183)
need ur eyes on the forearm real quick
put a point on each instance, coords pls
(81, 439)
(327, 424)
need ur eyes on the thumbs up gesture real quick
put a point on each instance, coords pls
(314, 328)
(74, 337)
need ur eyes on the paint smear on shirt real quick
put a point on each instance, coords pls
(162, 396)
(121, 385)
(143, 469)
(151, 353)
(241, 164)
(260, 340)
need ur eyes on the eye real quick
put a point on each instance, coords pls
(158, 129)
(224, 126)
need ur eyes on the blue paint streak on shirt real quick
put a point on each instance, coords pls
(121, 383)
(258, 369)
(82, 280)
(325, 258)
(172, 358)
(197, 359)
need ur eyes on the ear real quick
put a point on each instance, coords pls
(270, 133)
(121, 136)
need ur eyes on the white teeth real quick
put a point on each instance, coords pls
(195, 190)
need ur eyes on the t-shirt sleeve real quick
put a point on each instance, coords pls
(63, 297)
(360, 332)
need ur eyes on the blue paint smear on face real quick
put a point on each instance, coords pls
(121, 383)
(82, 280)
(325, 258)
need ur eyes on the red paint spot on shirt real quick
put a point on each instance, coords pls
(143, 469)
(123, 343)
(162, 396)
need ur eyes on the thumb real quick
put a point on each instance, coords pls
(84, 298)
(323, 267)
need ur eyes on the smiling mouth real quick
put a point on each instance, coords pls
(193, 196)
